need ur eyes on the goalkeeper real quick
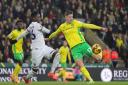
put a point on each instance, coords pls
(79, 47)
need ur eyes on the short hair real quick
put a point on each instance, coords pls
(20, 20)
(34, 14)
(68, 12)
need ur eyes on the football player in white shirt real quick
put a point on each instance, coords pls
(39, 49)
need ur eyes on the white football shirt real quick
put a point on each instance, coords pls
(36, 31)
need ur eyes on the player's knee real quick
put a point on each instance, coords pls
(20, 63)
(79, 63)
(35, 69)
(55, 54)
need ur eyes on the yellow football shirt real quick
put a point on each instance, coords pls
(119, 42)
(72, 32)
(64, 53)
(17, 47)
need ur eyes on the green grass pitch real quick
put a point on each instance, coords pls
(68, 83)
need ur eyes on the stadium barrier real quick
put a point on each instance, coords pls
(98, 74)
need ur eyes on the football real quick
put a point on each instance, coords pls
(96, 48)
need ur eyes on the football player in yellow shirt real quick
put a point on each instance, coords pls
(79, 47)
(64, 53)
(17, 49)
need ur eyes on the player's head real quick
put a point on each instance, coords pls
(65, 43)
(36, 16)
(68, 16)
(19, 24)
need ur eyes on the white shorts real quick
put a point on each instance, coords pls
(39, 53)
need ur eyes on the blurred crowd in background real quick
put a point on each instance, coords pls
(112, 14)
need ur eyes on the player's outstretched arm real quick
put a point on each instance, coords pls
(91, 26)
(44, 29)
(22, 35)
(54, 34)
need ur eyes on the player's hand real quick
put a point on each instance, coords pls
(46, 39)
(70, 62)
(12, 41)
(104, 29)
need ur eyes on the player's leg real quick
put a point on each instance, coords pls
(18, 67)
(86, 50)
(83, 70)
(63, 71)
(27, 79)
(77, 53)
(37, 55)
(19, 58)
(55, 56)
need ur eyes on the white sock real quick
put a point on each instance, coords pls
(30, 74)
(55, 62)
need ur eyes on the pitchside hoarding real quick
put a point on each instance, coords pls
(40, 76)
(109, 74)
(98, 74)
